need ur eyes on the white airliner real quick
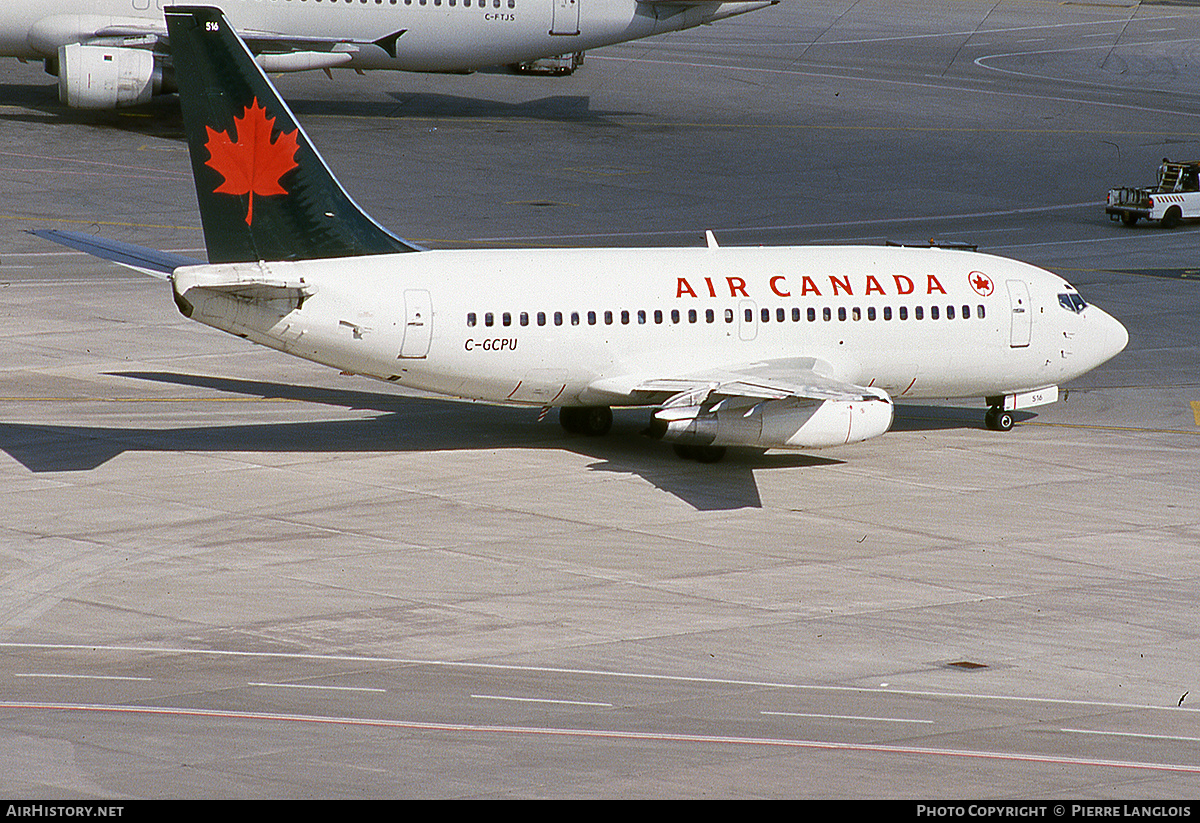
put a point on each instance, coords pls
(786, 347)
(109, 53)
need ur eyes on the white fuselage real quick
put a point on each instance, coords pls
(439, 35)
(583, 326)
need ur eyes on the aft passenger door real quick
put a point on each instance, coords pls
(418, 323)
(566, 17)
(1022, 316)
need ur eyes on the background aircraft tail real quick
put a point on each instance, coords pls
(264, 192)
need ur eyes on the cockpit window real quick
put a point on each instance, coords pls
(1072, 302)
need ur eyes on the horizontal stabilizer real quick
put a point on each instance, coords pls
(247, 281)
(149, 261)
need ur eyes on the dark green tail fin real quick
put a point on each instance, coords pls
(264, 192)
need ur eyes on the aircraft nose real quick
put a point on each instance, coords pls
(1118, 336)
(1115, 337)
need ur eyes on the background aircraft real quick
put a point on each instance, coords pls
(110, 53)
(784, 347)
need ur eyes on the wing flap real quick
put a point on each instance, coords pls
(802, 377)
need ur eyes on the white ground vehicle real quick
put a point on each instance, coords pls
(1175, 197)
(561, 65)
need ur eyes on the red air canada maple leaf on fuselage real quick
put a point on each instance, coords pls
(255, 163)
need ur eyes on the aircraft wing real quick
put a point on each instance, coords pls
(720, 9)
(154, 33)
(158, 264)
(795, 377)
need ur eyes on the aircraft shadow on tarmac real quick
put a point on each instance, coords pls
(41, 101)
(160, 117)
(570, 108)
(418, 424)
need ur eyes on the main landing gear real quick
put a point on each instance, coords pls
(593, 421)
(998, 420)
(701, 454)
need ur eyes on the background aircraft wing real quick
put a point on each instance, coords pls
(154, 34)
(719, 11)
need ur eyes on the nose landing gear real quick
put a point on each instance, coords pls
(998, 420)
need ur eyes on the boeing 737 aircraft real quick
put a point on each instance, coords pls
(791, 348)
(109, 53)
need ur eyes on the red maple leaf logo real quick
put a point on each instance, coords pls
(981, 283)
(255, 163)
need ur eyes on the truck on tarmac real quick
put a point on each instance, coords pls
(1175, 197)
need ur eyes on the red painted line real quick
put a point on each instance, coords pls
(667, 737)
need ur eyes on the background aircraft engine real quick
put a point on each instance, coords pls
(792, 423)
(100, 77)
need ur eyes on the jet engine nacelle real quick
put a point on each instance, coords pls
(101, 77)
(792, 423)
